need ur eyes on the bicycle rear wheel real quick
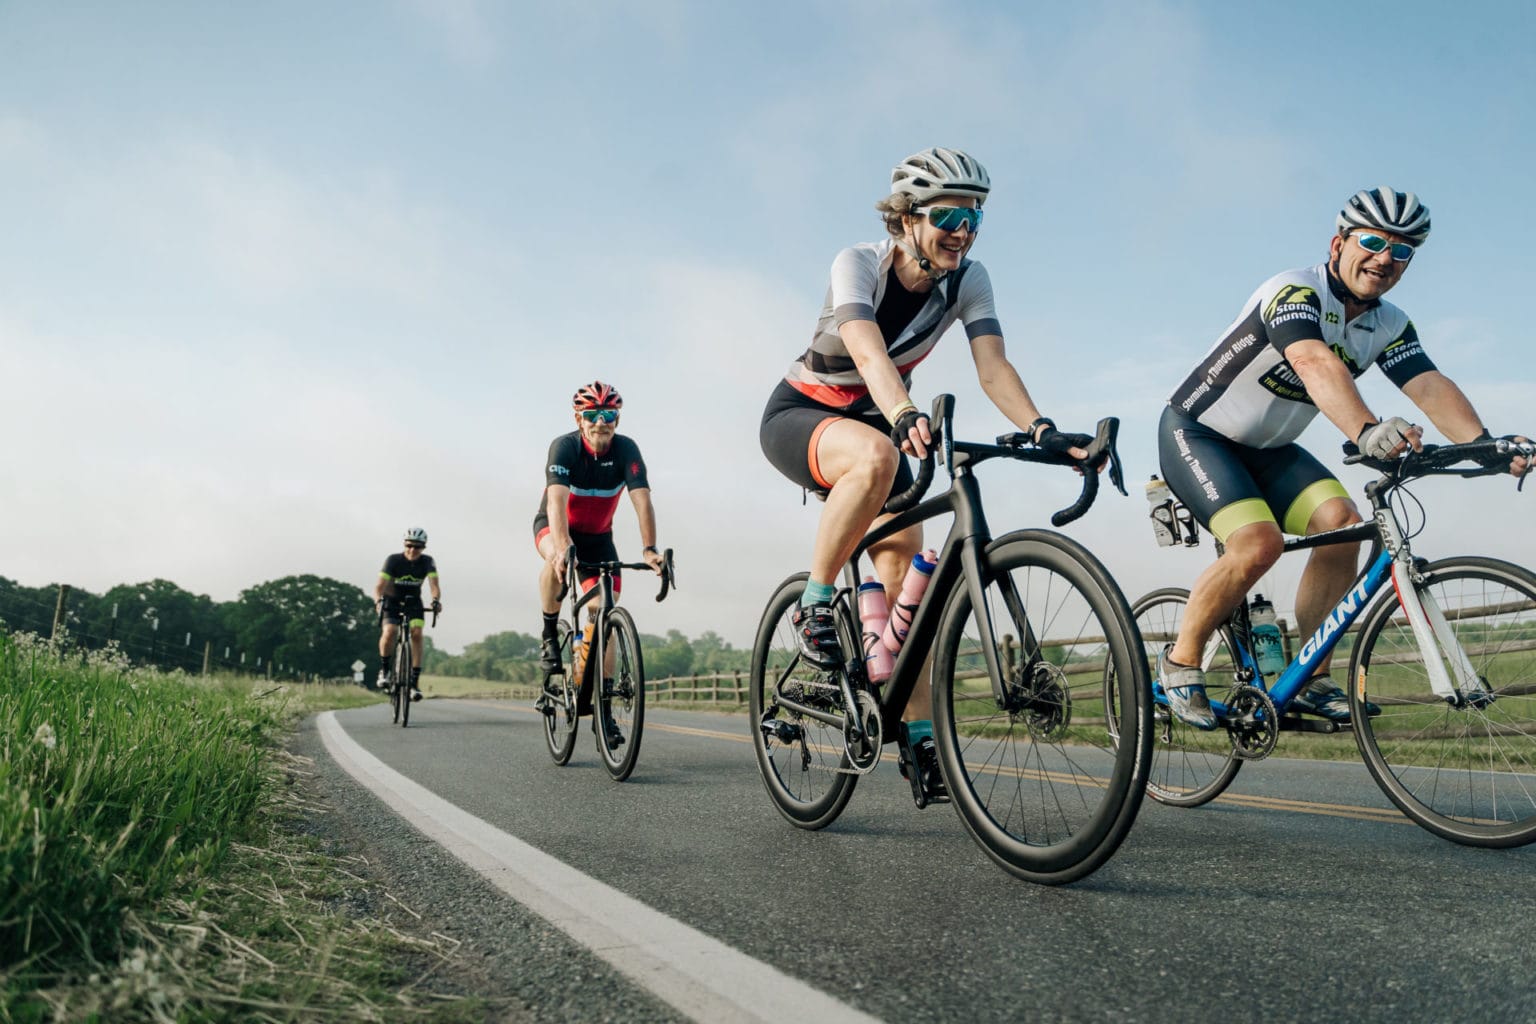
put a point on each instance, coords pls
(1190, 766)
(403, 675)
(1042, 783)
(802, 760)
(1467, 774)
(620, 699)
(560, 717)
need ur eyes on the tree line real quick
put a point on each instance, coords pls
(296, 627)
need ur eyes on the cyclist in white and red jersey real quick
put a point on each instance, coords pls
(1226, 439)
(839, 421)
(586, 472)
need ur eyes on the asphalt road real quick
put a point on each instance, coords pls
(1300, 896)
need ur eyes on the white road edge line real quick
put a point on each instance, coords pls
(697, 975)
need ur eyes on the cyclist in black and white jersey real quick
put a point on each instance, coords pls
(1226, 439)
(834, 424)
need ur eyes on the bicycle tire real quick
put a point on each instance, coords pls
(805, 778)
(560, 726)
(1466, 774)
(621, 700)
(394, 703)
(1087, 784)
(403, 674)
(1190, 766)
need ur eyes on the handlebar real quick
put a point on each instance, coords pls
(1017, 446)
(1441, 460)
(573, 567)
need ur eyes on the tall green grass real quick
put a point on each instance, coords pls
(114, 785)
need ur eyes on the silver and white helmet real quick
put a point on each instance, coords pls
(416, 535)
(941, 172)
(1385, 210)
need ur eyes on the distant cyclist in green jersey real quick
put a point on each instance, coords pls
(838, 422)
(397, 595)
(1226, 438)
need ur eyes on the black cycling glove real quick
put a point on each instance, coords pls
(1058, 441)
(904, 424)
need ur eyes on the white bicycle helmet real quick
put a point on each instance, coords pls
(416, 535)
(941, 172)
(1382, 209)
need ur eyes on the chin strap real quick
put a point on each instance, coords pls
(923, 262)
(1339, 288)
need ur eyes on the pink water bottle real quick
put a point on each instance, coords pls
(911, 595)
(873, 615)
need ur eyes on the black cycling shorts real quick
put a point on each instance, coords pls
(792, 426)
(590, 547)
(1229, 485)
(408, 606)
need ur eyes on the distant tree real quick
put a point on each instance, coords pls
(311, 624)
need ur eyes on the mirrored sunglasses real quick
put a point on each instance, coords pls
(1402, 252)
(949, 218)
(414, 547)
(600, 415)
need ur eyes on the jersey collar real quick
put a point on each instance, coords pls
(1342, 293)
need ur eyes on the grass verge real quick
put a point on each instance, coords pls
(153, 861)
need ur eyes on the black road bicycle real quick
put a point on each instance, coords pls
(400, 670)
(611, 683)
(1034, 651)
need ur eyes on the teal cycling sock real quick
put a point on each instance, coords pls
(918, 731)
(817, 593)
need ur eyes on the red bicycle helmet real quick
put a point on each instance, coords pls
(596, 395)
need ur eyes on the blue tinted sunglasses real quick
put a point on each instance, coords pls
(949, 218)
(600, 415)
(1402, 252)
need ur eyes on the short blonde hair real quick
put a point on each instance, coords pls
(892, 208)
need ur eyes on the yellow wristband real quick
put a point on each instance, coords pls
(901, 410)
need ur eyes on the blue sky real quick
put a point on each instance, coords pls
(279, 280)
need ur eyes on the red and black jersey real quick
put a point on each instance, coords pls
(596, 481)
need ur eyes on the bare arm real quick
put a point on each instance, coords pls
(645, 512)
(1438, 397)
(1001, 381)
(866, 346)
(1330, 386)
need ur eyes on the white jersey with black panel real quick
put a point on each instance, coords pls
(826, 373)
(1245, 389)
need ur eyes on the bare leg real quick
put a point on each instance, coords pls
(550, 581)
(1250, 552)
(1329, 572)
(860, 463)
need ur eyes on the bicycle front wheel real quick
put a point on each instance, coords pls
(560, 713)
(802, 760)
(1468, 773)
(1190, 766)
(620, 696)
(1041, 778)
(403, 675)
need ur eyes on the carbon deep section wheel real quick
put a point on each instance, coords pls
(620, 702)
(560, 720)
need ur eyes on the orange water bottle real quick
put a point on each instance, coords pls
(579, 657)
(911, 596)
(873, 617)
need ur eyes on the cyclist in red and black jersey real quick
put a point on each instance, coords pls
(586, 472)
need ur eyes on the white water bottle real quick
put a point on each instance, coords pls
(1267, 648)
(1161, 500)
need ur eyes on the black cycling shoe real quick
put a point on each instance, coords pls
(816, 633)
(925, 778)
(610, 729)
(549, 655)
(415, 693)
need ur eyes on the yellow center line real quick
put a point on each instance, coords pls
(1266, 803)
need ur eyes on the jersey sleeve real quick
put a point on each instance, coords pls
(977, 308)
(1404, 359)
(561, 462)
(854, 275)
(384, 572)
(430, 567)
(1293, 313)
(634, 467)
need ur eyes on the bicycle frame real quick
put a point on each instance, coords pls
(1393, 561)
(961, 556)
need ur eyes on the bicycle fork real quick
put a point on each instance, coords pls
(1437, 641)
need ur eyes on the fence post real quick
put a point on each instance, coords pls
(207, 654)
(58, 610)
(739, 692)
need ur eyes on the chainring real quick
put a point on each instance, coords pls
(1252, 723)
(864, 753)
